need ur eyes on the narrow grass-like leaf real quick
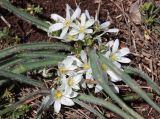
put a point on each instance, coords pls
(140, 73)
(130, 82)
(101, 78)
(20, 78)
(2, 82)
(14, 106)
(134, 97)
(34, 65)
(106, 104)
(44, 105)
(32, 47)
(9, 62)
(91, 109)
(41, 55)
(25, 16)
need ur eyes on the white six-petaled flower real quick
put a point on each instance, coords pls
(71, 82)
(82, 28)
(61, 96)
(85, 66)
(67, 66)
(117, 55)
(64, 23)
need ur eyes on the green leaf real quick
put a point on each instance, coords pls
(101, 78)
(21, 68)
(2, 82)
(32, 47)
(45, 104)
(106, 104)
(130, 82)
(140, 73)
(20, 78)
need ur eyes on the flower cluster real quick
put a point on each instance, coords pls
(75, 71)
(77, 26)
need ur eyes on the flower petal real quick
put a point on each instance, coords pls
(110, 43)
(113, 30)
(76, 87)
(114, 87)
(105, 25)
(89, 23)
(107, 54)
(87, 14)
(68, 11)
(98, 88)
(73, 32)
(76, 13)
(90, 85)
(57, 106)
(117, 64)
(113, 76)
(89, 74)
(89, 31)
(83, 84)
(83, 55)
(57, 18)
(124, 60)
(83, 19)
(67, 101)
(81, 36)
(64, 32)
(115, 46)
(56, 27)
(78, 78)
(124, 51)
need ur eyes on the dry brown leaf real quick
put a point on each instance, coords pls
(134, 13)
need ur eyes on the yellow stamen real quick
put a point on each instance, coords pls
(58, 94)
(86, 66)
(62, 70)
(70, 82)
(82, 29)
(104, 67)
(67, 23)
(114, 57)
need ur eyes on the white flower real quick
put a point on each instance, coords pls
(86, 68)
(61, 96)
(82, 28)
(117, 55)
(71, 82)
(105, 27)
(64, 23)
(88, 15)
(67, 66)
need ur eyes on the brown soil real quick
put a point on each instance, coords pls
(145, 53)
